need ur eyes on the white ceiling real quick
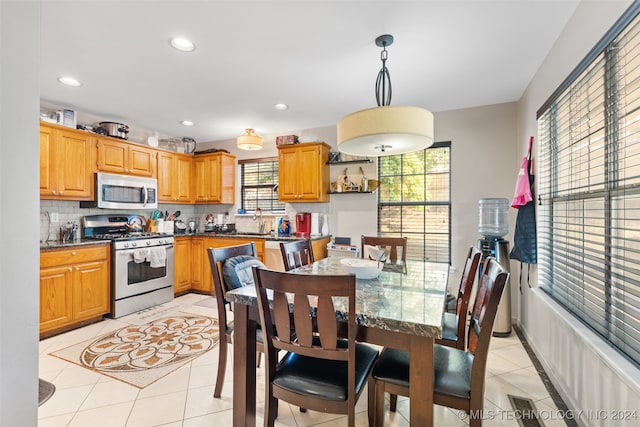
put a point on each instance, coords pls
(319, 57)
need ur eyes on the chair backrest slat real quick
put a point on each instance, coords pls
(327, 322)
(302, 319)
(281, 316)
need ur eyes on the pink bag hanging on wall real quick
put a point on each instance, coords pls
(523, 185)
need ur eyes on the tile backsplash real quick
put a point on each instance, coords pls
(56, 213)
(70, 211)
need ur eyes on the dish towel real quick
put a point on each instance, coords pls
(157, 256)
(140, 255)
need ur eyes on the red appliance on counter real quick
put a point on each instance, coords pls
(303, 224)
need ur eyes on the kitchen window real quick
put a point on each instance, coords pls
(259, 185)
(589, 185)
(414, 201)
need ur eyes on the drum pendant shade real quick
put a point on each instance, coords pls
(385, 130)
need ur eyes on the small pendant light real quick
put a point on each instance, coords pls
(249, 140)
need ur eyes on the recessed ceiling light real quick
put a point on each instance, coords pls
(69, 81)
(182, 44)
(186, 123)
(280, 106)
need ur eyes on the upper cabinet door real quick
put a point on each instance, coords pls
(214, 178)
(47, 184)
(112, 156)
(303, 172)
(67, 159)
(141, 161)
(124, 158)
(174, 177)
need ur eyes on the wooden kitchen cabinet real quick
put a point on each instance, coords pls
(303, 172)
(319, 247)
(74, 286)
(214, 178)
(174, 177)
(200, 265)
(182, 265)
(123, 158)
(67, 159)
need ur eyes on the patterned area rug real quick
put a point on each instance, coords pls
(142, 354)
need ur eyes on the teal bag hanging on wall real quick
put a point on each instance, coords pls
(524, 237)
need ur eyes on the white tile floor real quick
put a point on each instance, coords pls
(184, 398)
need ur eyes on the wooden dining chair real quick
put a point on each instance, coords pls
(454, 325)
(231, 269)
(320, 371)
(458, 375)
(296, 253)
(394, 244)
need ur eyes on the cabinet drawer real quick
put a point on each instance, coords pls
(73, 255)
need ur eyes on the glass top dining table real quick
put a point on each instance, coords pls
(401, 308)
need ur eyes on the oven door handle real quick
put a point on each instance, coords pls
(130, 252)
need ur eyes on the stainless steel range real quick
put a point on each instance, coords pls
(141, 263)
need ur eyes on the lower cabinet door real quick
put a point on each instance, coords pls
(56, 297)
(199, 265)
(182, 265)
(91, 296)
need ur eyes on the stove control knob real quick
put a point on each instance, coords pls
(134, 244)
(125, 244)
(148, 242)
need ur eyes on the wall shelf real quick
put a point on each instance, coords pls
(351, 192)
(346, 162)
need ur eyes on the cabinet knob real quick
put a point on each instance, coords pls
(77, 268)
(53, 192)
(73, 253)
(70, 269)
(61, 192)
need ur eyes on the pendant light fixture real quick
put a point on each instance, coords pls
(249, 140)
(385, 130)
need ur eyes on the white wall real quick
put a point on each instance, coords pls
(484, 163)
(19, 187)
(588, 373)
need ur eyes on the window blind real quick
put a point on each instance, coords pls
(259, 179)
(589, 187)
(414, 201)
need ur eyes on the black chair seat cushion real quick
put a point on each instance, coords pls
(320, 378)
(236, 271)
(450, 327)
(452, 370)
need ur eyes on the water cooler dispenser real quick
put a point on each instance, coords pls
(493, 225)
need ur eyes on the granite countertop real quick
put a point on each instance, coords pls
(247, 236)
(55, 244)
(411, 302)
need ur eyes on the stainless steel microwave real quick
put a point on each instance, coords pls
(123, 192)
